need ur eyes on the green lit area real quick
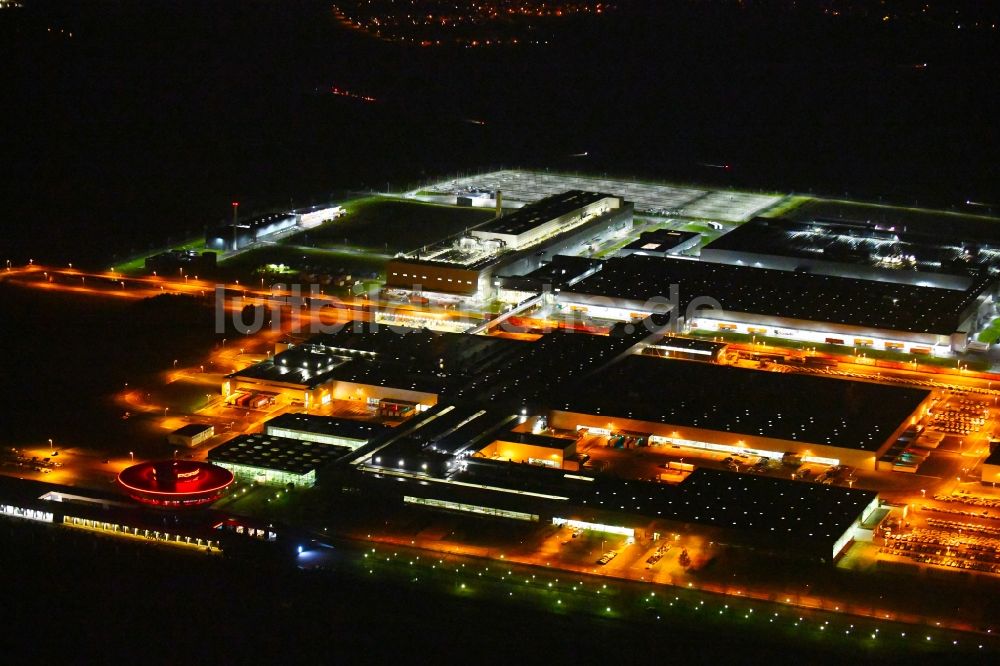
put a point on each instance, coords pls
(677, 609)
(991, 333)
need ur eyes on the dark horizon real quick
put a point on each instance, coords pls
(149, 120)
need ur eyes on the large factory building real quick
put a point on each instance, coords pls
(513, 244)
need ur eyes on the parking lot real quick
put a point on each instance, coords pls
(653, 198)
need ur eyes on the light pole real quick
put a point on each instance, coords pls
(131, 456)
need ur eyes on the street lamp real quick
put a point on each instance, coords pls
(131, 455)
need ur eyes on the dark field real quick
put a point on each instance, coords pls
(65, 356)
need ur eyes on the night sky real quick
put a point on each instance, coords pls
(153, 116)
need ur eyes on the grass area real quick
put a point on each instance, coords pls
(373, 229)
(785, 206)
(390, 225)
(137, 264)
(838, 350)
(991, 333)
(310, 260)
(884, 213)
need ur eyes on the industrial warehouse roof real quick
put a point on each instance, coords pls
(749, 503)
(804, 296)
(788, 406)
(540, 212)
(378, 355)
(451, 429)
(276, 453)
(328, 425)
(404, 344)
(532, 439)
(303, 366)
(660, 240)
(930, 249)
(759, 509)
(563, 270)
(554, 359)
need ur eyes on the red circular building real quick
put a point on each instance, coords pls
(175, 484)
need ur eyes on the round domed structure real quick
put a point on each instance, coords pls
(175, 484)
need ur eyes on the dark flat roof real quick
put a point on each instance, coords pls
(805, 296)
(994, 458)
(693, 344)
(783, 513)
(302, 365)
(328, 425)
(277, 453)
(526, 218)
(379, 355)
(789, 406)
(530, 438)
(662, 239)
(846, 242)
(191, 429)
(749, 503)
(454, 428)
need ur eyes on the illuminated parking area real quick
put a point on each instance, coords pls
(657, 198)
